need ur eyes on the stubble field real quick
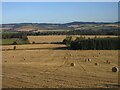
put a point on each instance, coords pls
(47, 66)
(60, 38)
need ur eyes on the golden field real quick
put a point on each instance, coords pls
(60, 38)
(47, 66)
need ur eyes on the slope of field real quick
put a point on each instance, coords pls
(46, 39)
(33, 47)
(60, 38)
(48, 68)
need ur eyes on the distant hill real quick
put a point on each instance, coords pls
(78, 23)
(57, 26)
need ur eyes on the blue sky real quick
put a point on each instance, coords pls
(59, 12)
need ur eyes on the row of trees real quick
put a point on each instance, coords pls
(14, 38)
(77, 32)
(6, 35)
(94, 44)
(9, 35)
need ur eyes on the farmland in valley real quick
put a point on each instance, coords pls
(39, 59)
(43, 65)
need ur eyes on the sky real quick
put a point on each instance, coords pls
(59, 12)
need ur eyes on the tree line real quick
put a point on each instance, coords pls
(76, 32)
(14, 38)
(93, 43)
(9, 35)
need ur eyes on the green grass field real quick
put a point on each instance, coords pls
(10, 41)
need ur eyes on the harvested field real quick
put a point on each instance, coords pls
(46, 39)
(59, 38)
(60, 30)
(34, 46)
(51, 68)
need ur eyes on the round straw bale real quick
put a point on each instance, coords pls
(85, 60)
(70, 54)
(72, 64)
(89, 59)
(115, 69)
(96, 63)
(14, 47)
(109, 62)
(65, 57)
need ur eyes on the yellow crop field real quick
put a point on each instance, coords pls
(60, 38)
(49, 66)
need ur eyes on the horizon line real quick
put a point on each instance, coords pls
(61, 23)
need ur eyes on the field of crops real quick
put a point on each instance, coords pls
(44, 66)
(59, 38)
